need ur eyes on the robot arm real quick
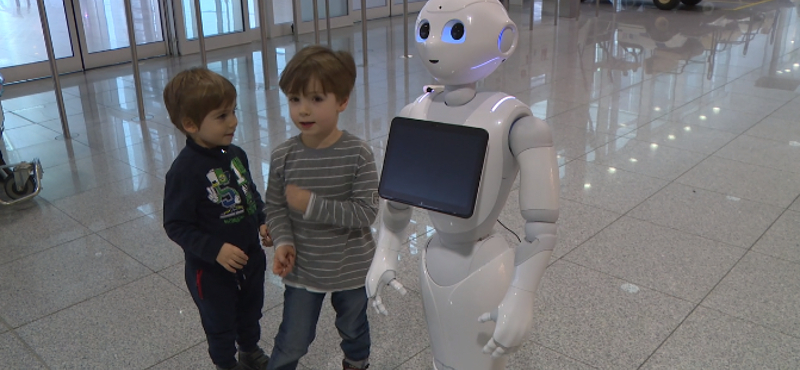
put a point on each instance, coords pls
(382, 272)
(532, 144)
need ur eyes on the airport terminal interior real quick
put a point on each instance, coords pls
(678, 147)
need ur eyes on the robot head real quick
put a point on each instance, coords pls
(463, 41)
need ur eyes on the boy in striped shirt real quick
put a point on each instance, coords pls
(321, 200)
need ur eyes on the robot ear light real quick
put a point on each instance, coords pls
(507, 41)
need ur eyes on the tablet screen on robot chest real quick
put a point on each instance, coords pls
(433, 165)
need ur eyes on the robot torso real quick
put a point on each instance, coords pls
(494, 112)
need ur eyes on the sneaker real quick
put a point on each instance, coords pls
(256, 360)
(348, 366)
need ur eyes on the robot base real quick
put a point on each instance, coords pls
(452, 312)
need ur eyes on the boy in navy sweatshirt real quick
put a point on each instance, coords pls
(214, 212)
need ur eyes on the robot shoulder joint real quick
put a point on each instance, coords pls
(529, 132)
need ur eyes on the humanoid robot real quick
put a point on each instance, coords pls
(478, 291)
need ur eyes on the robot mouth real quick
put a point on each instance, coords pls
(433, 61)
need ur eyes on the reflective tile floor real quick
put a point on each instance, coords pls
(678, 140)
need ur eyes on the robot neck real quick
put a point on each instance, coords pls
(457, 95)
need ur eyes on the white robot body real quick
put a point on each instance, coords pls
(465, 270)
(466, 279)
(478, 291)
(452, 308)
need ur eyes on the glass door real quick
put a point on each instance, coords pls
(340, 14)
(375, 9)
(414, 6)
(103, 31)
(225, 23)
(280, 13)
(93, 33)
(23, 54)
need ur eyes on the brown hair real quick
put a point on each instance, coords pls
(194, 93)
(335, 70)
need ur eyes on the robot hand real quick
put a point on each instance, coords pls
(382, 272)
(376, 281)
(514, 317)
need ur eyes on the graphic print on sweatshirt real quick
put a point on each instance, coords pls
(223, 193)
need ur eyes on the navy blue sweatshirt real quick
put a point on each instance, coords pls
(211, 199)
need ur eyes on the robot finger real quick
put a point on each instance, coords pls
(398, 286)
(379, 307)
(490, 347)
(488, 316)
(499, 352)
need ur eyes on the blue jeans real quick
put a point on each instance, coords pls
(230, 306)
(299, 327)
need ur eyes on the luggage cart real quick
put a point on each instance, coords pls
(20, 181)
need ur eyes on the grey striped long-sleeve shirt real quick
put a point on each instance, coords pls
(332, 238)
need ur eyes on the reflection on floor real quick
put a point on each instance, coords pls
(678, 246)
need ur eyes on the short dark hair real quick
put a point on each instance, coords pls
(194, 93)
(335, 71)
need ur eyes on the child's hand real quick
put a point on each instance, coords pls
(266, 239)
(283, 262)
(231, 257)
(297, 198)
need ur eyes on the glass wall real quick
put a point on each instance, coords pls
(338, 9)
(106, 28)
(370, 4)
(282, 11)
(21, 40)
(219, 17)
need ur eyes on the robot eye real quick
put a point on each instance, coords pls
(424, 30)
(454, 32)
(457, 31)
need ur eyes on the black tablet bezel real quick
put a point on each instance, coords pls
(422, 127)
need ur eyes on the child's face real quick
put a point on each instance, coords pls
(316, 114)
(217, 128)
